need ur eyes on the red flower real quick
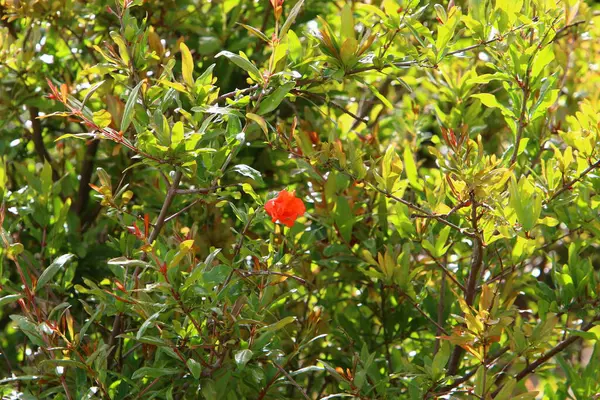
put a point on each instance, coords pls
(285, 208)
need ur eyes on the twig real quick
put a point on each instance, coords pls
(297, 278)
(38, 141)
(184, 209)
(165, 208)
(551, 353)
(446, 271)
(199, 190)
(233, 94)
(332, 103)
(87, 169)
(476, 262)
(569, 185)
(465, 377)
(420, 310)
(292, 381)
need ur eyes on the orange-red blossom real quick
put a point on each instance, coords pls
(285, 208)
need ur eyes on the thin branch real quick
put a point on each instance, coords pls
(165, 207)
(551, 353)
(38, 141)
(87, 169)
(297, 278)
(184, 209)
(426, 214)
(332, 103)
(233, 94)
(446, 271)
(199, 190)
(420, 310)
(569, 185)
(471, 290)
(292, 381)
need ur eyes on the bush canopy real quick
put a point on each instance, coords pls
(282, 199)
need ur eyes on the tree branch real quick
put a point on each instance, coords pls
(471, 289)
(551, 353)
(38, 141)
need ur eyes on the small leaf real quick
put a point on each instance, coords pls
(259, 120)
(52, 270)
(278, 325)
(147, 323)
(272, 101)
(176, 134)
(411, 169)
(154, 372)
(242, 357)
(290, 19)
(243, 64)
(187, 64)
(249, 172)
(380, 96)
(129, 106)
(9, 299)
(194, 367)
(255, 32)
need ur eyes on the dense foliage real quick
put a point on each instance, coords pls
(253, 199)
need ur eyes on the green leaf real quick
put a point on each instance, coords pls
(154, 372)
(259, 120)
(272, 101)
(243, 64)
(347, 22)
(11, 298)
(52, 270)
(242, 357)
(290, 19)
(129, 107)
(278, 325)
(176, 134)
(20, 378)
(440, 359)
(249, 172)
(411, 169)
(102, 118)
(14, 250)
(381, 97)
(89, 322)
(489, 100)
(122, 47)
(147, 323)
(187, 65)
(343, 218)
(65, 362)
(507, 389)
(255, 32)
(195, 367)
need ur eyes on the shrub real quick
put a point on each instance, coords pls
(265, 199)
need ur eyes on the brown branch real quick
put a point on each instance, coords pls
(569, 185)
(292, 381)
(551, 353)
(38, 141)
(471, 289)
(446, 271)
(160, 221)
(233, 94)
(87, 169)
(332, 103)
(465, 377)
(426, 214)
(420, 310)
